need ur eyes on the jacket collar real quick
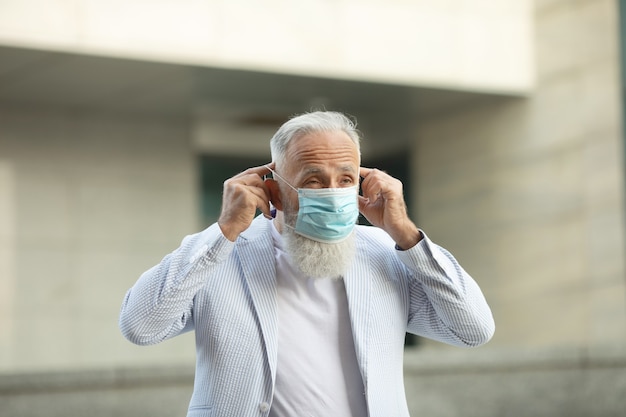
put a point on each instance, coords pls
(358, 289)
(255, 249)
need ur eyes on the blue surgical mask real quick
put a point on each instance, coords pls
(326, 215)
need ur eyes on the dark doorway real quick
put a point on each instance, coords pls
(214, 170)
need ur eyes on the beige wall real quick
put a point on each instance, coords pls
(426, 42)
(88, 203)
(529, 192)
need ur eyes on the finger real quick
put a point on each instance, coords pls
(263, 205)
(374, 172)
(364, 172)
(260, 170)
(259, 198)
(372, 177)
(252, 180)
(251, 185)
(363, 203)
(248, 183)
(260, 192)
(373, 185)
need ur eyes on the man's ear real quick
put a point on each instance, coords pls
(272, 186)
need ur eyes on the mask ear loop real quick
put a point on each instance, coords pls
(272, 215)
(273, 210)
(274, 174)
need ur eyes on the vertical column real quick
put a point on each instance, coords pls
(7, 258)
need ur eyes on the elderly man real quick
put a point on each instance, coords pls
(299, 311)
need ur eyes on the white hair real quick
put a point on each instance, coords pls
(308, 123)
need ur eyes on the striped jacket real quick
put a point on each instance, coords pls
(225, 291)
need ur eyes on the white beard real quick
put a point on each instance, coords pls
(317, 259)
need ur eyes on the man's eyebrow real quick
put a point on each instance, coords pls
(348, 168)
(312, 170)
(317, 170)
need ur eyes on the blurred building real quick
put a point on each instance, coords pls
(119, 121)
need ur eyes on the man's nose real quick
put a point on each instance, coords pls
(334, 184)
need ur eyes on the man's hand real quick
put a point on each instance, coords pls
(382, 204)
(243, 194)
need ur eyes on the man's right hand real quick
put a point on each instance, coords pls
(243, 194)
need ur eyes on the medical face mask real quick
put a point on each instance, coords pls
(327, 215)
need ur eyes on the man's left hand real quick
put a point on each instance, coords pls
(382, 204)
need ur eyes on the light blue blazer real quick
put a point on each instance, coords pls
(226, 292)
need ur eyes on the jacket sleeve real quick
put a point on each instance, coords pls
(160, 304)
(446, 304)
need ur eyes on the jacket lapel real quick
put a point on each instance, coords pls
(258, 263)
(358, 290)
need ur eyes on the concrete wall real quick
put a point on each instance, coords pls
(474, 383)
(517, 383)
(89, 201)
(434, 43)
(529, 193)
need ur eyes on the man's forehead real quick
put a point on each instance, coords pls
(322, 151)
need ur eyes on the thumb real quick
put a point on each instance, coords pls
(363, 202)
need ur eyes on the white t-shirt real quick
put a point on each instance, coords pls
(317, 373)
